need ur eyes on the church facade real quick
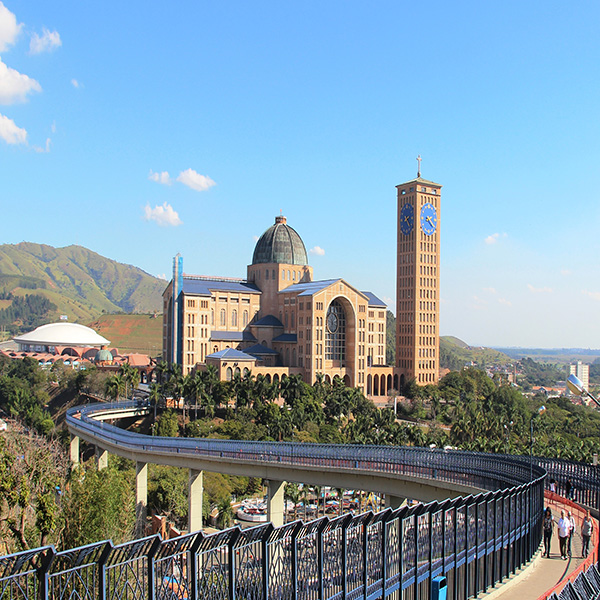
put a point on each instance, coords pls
(278, 321)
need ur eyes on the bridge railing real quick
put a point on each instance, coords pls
(474, 542)
(468, 468)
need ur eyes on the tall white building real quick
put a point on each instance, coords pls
(582, 372)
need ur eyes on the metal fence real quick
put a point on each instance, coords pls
(473, 542)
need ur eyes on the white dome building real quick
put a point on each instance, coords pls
(48, 337)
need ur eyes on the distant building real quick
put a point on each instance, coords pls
(582, 372)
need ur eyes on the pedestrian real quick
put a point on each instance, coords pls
(564, 527)
(548, 528)
(587, 527)
(572, 528)
(553, 485)
(569, 489)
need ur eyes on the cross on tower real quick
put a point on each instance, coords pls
(419, 167)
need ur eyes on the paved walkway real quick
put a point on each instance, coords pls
(542, 574)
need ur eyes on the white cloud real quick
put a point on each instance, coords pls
(388, 301)
(592, 295)
(565, 272)
(162, 276)
(490, 290)
(492, 239)
(48, 41)
(46, 148)
(75, 83)
(543, 290)
(15, 86)
(9, 28)
(162, 177)
(194, 180)
(10, 133)
(317, 250)
(505, 301)
(53, 127)
(163, 215)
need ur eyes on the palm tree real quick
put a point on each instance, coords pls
(131, 376)
(155, 396)
(225, 517)
(115, 386)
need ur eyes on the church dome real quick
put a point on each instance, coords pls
(280, 244)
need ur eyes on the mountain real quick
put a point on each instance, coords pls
(74, 281)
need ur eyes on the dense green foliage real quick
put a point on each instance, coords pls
(99, 505)
(23, 393)
(535, 373)
(26, 312)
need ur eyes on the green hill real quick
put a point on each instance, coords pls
(455, 354)
(75, 281)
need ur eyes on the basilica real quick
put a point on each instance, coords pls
(278, 321)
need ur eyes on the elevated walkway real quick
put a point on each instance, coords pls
(544, 576)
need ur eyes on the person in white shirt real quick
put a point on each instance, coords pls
(564, 528)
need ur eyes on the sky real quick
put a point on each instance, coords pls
(144, 129)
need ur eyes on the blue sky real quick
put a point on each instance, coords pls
(141, 129)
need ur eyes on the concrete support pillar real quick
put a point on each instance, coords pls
(195, 492)
(275, 502)
(74, 449)
(101, 458)
(141, 498)
(394, 502)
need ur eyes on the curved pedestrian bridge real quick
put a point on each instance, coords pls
(469, 543)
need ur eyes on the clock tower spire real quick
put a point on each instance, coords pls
(418, 281)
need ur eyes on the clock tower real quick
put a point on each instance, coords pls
(418, 281)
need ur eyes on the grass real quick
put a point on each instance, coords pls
(131, 333)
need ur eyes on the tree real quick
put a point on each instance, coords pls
(168, 424)
(33, 473)
(98, 505)
(116, 385)
(131, 376)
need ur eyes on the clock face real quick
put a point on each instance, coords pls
(407, 219)
(332, 322)
(428, 219)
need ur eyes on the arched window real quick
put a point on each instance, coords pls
(229, 374)
(223, 317)
(287, 356)
(293, 357)
(293, 275)
(234, 318)
(237, 371)
(245, 318)
(335, 332)
(212, 316)
(267, 274)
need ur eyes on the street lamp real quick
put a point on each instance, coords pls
(576, 386)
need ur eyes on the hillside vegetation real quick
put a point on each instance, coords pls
(131, 333)
(75, 282)
(455, 354)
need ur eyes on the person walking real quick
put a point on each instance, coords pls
(572, 528)
(587, 527)
(564, 527)
(548, 529)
